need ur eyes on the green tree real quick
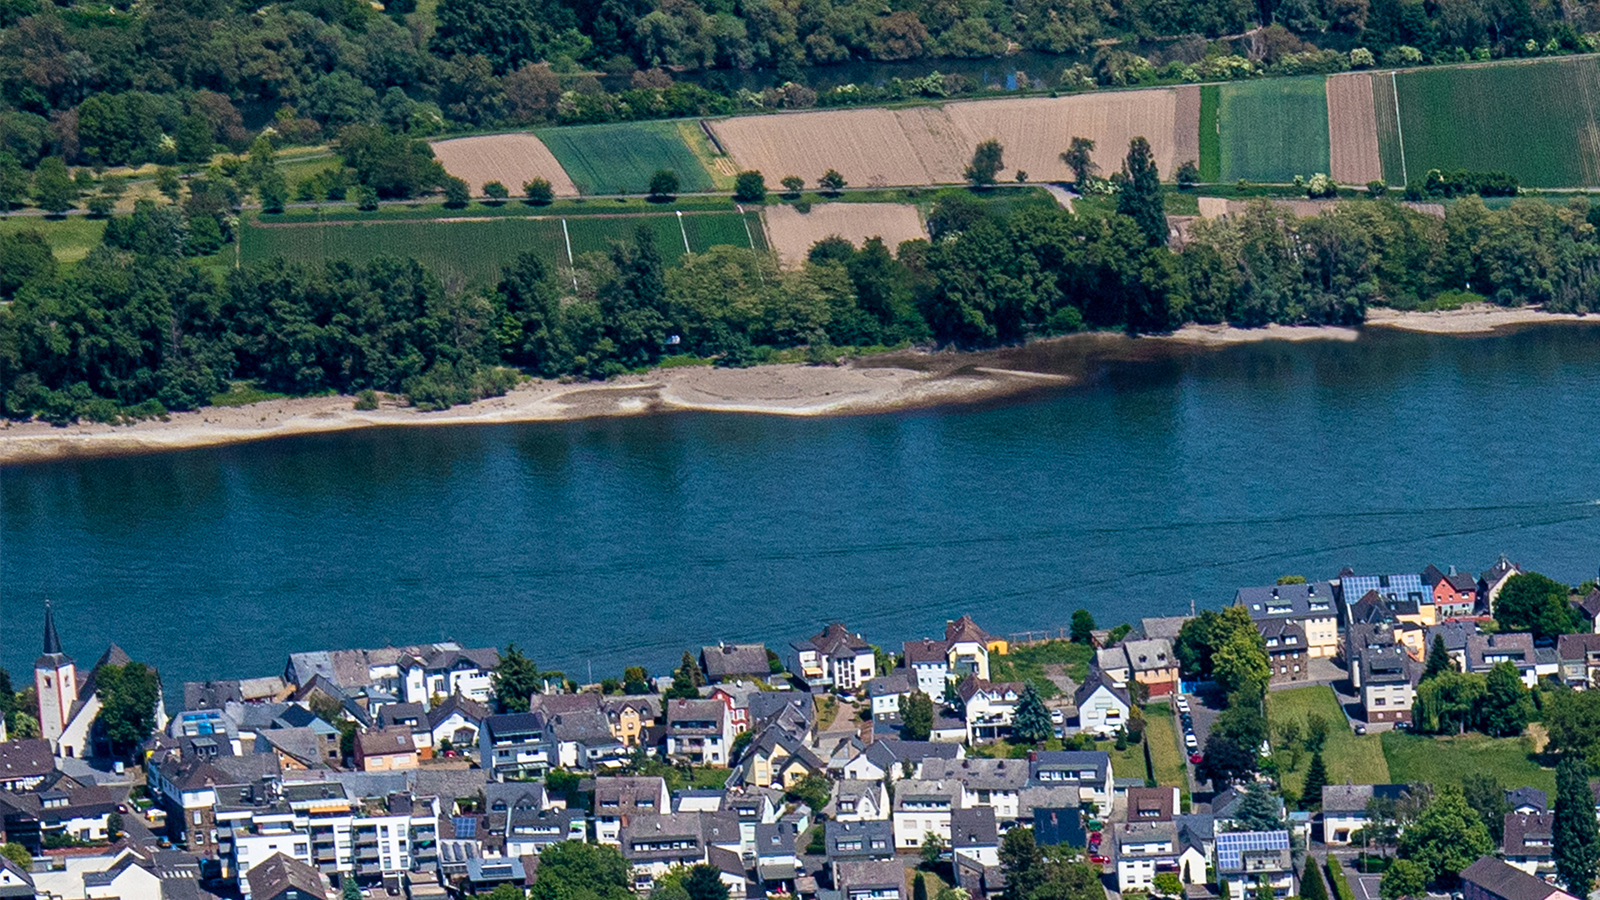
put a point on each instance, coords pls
(1507, 705)
(17, 854)
(1291, 742)
(25, 257)
(952, 700)
(1576, 839)
(1447, 835)
(1201, 636)
(1140, 196)
(1403, 879)
(1573, 720)
(1316, 732)
(516, 679)
(53, 189)
(273, 190)
(1031, 721)
(919, 888)
(1079, 158)
(1439, 660)
(812, 790)
(1263, 889)
(1311, 884)
(456, 192)
(495, 191)
(1082, 627)
(1316, 780)
(933, 849)
(1537, 604)
(1022, 862)
(1241, 667)
(538, 192)
(704, 882)
(1448, 703)
(916, 714)
(349, 890)
(987, 161)
(1487, 797)
(128, 697)
(635, 681)
(663, 184)
(168, 183)
(750, 187)
(366, 198)
(1167, 884)
(792, 185)
(13, 183)
(574, 869)
(831, 182)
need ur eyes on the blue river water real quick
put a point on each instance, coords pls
(1159, 481)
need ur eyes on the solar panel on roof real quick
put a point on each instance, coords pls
(466, 826)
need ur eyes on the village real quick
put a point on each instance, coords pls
(1363, 737)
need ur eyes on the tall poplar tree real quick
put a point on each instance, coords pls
(1140, 195)
(1576, 837)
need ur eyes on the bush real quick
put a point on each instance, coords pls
(367, 400)
(366, 199)
(663, 184)
(1341, 887)
(802, 206)
(496, 192)
(456, 192)
(1376, 189)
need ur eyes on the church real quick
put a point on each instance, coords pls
(68, 707)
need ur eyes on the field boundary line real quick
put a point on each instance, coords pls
(1399, 130)
(571, 265)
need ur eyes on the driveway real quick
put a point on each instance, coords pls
(1204, 716)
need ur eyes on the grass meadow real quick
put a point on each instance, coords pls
(1210, 139)
(473, 250)
(1536, 120)
(1357, 759)
(619, 159)
(70, 237)
(1444, 760)
(1271, 130)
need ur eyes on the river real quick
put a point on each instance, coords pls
(1153, 484)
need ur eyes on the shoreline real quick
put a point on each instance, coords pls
(886, 382)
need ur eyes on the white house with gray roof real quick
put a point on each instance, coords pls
(1312, 606)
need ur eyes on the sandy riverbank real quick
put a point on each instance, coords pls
(1477, 318)
(793, 390)
(900, 380)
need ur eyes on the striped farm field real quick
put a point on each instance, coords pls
(874, 147)
(511, 159)
(1536, 120)
(472, 250)
(1354, 156)
(619, 159)
(1272, 130)
(1386, 120)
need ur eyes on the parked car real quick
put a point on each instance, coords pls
(1099, 860)
(1183, 704)
(1195, 757)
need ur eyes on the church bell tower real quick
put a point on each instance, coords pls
(55, 676)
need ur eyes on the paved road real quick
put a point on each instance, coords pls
(1204, 716)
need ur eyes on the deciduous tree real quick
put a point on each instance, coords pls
(987, 161)
(750, 187)
(917, 715)
(1140, 194)
(1537, 604)
(1082, 627)
(1078, 158)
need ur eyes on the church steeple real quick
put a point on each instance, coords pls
(52, 644)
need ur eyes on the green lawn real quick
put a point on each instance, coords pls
(1271, 130)
(619, 159)
(1028, 664)
(474, 250)
(1530, 119)
(70, 238)
(1161, 734)
(1439, 760)
(1349, 757)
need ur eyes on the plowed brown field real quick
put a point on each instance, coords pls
(510, 159)
(932, 145)
(792, 233)
(1185, 128)
(1352, 130)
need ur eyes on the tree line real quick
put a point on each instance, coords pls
(136, 329)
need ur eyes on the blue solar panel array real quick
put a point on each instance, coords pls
(466, 826)
(1232, 845)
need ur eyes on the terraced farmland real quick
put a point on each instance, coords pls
(473, 250)
(1536, 120)
(1272, 130)
(619, 159)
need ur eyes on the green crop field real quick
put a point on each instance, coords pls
(1536, 120)
(1384, 111)
(1210, 140)
(474, 250)
(1271, 130)
(619, 159)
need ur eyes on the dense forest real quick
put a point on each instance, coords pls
(170, 81)
(137, 329)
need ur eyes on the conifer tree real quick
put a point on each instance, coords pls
(1032, 721)
(1438, 659)
(1311, 886)
(919, 888)
(1316, 780)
